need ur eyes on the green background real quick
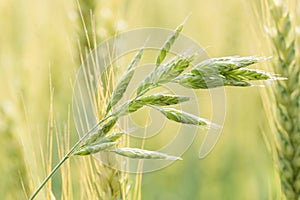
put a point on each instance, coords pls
(39, 38)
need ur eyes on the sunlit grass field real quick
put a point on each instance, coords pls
(39, 40)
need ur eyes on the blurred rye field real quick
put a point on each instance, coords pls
(39, 39)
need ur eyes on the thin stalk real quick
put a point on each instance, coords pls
(50, 175)
(67, 155)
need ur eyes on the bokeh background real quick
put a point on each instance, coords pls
(40, 38)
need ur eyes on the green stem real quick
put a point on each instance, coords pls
(48, 177)
(64, 159)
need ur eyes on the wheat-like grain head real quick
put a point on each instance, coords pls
(280, 26)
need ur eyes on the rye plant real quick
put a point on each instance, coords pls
(280, 25)
(106, 182)
(210, 73)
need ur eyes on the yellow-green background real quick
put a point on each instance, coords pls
(38, 38)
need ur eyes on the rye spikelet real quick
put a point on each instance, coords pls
(143, 154)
